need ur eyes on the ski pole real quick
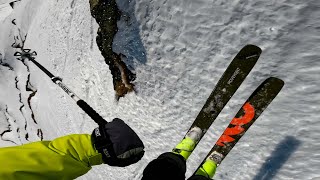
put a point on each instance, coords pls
(26, 54)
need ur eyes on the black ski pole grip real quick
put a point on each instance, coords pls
(91, 112)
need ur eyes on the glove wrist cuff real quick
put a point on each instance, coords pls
(102, 143)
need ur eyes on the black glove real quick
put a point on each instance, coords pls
(167, 166)
(118, 143)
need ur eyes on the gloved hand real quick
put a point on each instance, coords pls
(167, 166)
(118, 143)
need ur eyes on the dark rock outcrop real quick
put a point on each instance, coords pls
(107, 14)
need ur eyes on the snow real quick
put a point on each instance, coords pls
(179, 50)
(5, 10)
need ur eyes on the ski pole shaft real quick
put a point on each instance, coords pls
(81, 103)
(42, 68)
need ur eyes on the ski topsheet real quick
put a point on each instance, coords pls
(246, 116)
(230, 81)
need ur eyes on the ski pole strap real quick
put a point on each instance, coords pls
(91, 112)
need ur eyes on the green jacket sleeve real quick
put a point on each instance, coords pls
(67, 157)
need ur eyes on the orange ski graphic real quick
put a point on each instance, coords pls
(237, 122)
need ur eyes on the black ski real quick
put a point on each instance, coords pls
(246, 116)
(230, 81)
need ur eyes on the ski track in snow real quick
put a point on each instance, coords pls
(179, 50)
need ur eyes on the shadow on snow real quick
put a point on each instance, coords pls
(278, 158)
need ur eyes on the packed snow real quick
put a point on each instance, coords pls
(178, 50)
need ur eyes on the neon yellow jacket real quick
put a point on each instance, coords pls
(67, 157)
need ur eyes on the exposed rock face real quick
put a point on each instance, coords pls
(107, 14)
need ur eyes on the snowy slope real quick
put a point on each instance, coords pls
(5, 10)
(178, 49)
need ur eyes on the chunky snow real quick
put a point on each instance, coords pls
(178, 49)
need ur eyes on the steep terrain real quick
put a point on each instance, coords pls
(178, 50)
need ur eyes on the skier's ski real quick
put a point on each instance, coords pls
(246, 116)
(230, 81)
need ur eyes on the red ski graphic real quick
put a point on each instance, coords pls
(237, 122)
